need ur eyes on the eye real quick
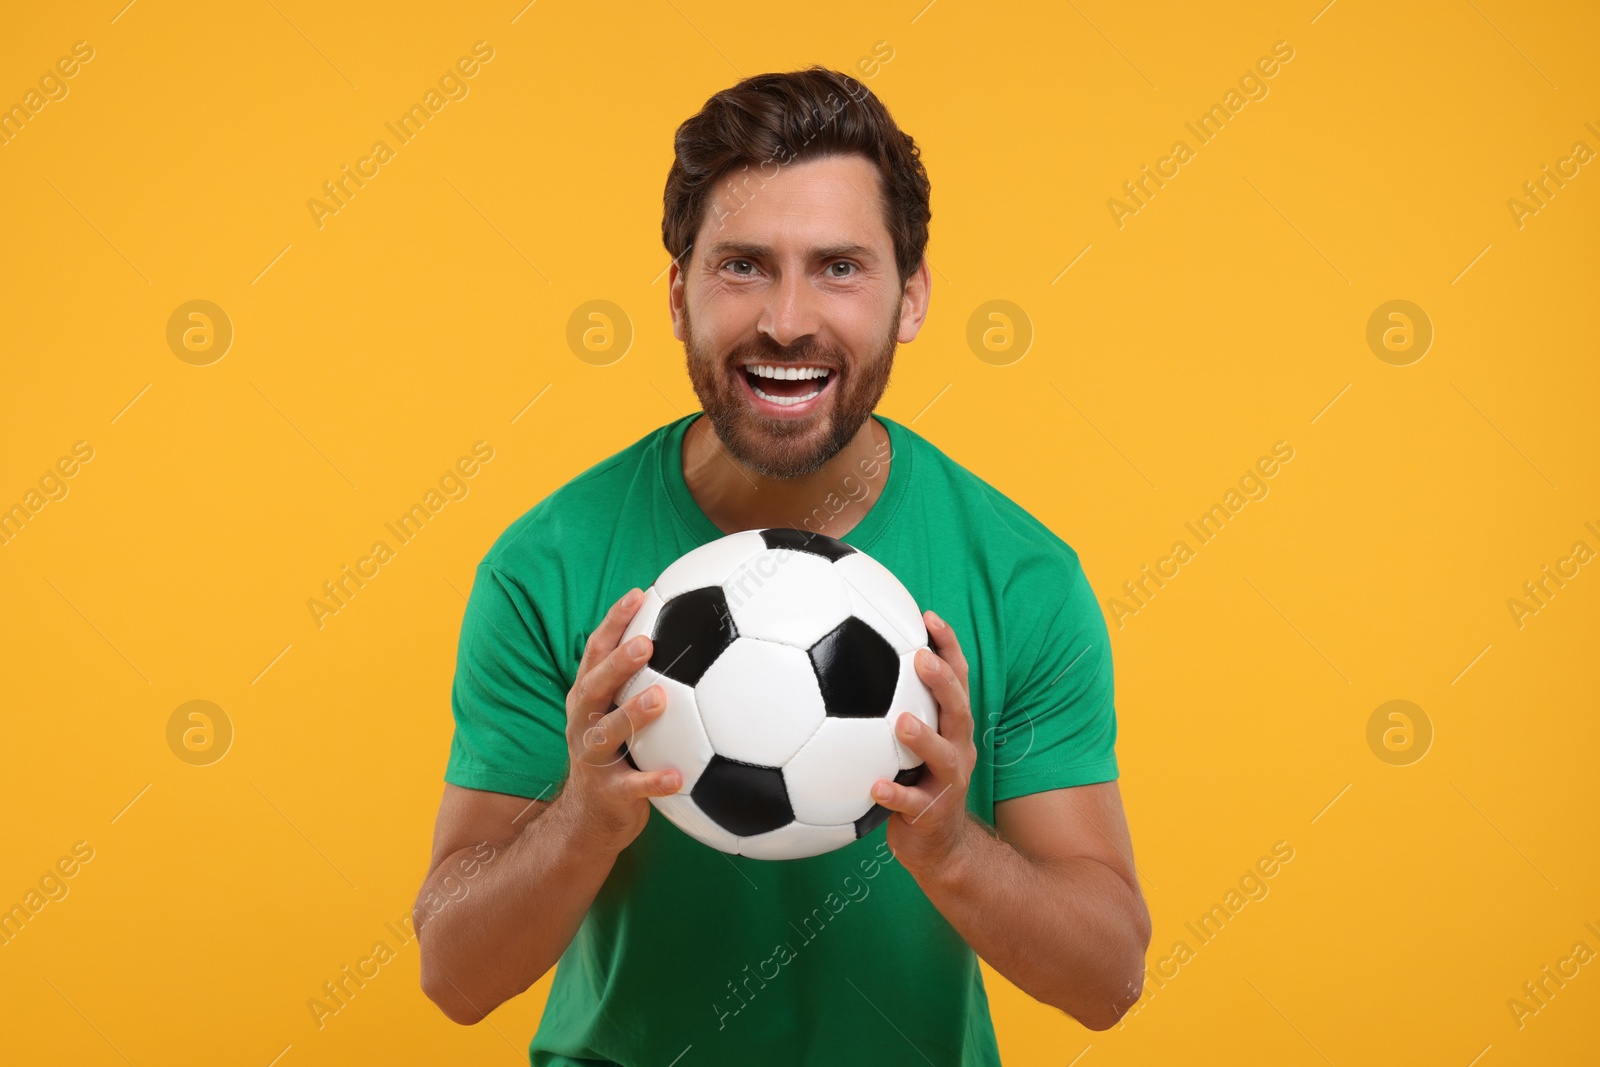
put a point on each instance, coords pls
(738, 262)
(832, 273)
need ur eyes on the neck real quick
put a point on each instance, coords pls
(830, 500)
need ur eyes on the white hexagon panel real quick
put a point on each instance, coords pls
(830, 778)
(786, 596)
(759, 702)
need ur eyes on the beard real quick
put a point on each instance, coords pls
(788, 448)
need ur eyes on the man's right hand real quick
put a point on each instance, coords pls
(605, 799)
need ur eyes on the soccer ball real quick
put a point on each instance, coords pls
(786, 658)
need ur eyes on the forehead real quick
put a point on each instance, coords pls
(832, 200)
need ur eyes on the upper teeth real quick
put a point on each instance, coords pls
(764, 370)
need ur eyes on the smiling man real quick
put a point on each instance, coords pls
(796, 215)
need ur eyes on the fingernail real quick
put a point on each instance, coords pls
(937, 622)
(911, 727)
(651, 699)
(880, 791)
(637, 646)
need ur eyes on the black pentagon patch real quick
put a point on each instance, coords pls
(878, 814)
(856, 669)
(806, 541)
(742, 798)
(693, 629)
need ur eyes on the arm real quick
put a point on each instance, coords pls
(1051, 899)
(493, 932)
(529, 869)
(1051, 902)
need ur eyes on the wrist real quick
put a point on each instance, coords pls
(954, 871)
(581, 833)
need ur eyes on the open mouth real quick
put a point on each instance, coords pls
(787, 385)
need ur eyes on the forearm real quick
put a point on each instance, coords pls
(1070, 933)
(516, 918)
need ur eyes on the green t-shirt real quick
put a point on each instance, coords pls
(828, 960)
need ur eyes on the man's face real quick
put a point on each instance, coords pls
(793, 272)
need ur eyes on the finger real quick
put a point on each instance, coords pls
(935, 751)
(610, 630)
(891, 795)
(641, 785)
(911, 801)
(601, 740)
(945, 643)
(595, 689)
(955, 708)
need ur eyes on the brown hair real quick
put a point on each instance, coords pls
(772, 120)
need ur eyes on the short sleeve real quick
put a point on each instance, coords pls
(1058, 727)
(508, 696)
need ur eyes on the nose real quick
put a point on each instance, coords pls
(790, 312)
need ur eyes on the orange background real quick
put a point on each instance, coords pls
(1164, 356)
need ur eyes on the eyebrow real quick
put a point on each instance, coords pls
(756, 251)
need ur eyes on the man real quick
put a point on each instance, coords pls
(796, 216)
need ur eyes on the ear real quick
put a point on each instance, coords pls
(914, 303)
(675, 298)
